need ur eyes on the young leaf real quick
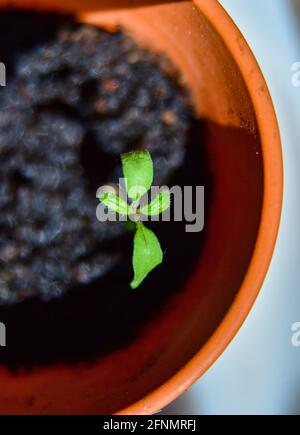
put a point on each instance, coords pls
(158, 205)
(114, 202)
(147, 254)
(138, 173)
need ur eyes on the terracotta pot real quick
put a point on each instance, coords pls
(243, 149)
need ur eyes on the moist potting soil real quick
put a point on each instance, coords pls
(76, 97)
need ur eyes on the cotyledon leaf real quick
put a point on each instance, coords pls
(138, 173)
(147, 254)
(158, 205)
(114, 202)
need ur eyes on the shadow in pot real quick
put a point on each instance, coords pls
(92, 320)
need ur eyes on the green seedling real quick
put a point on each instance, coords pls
(138, 174)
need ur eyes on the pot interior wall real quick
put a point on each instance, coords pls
(229, 139)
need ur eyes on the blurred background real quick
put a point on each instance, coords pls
(259, 373)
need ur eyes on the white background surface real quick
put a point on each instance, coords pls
(259, 373)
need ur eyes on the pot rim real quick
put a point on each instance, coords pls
(269, 221)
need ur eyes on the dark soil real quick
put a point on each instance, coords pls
(73, 102)
(76, 97)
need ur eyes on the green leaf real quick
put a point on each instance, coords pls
(158, 205)
(138, 173)
(147, 254)
(114, 202)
